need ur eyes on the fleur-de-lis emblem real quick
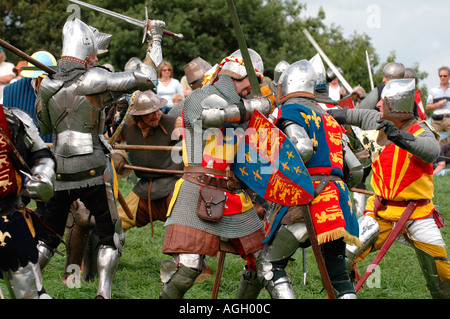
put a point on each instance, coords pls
(3, 237)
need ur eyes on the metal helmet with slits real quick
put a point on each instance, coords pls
(398, 99)
(79, 42)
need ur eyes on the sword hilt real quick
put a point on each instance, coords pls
(176, 35)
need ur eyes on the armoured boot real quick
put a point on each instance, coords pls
(179, 275)
(180, 282)
(80, 224)
(280, 288)
(108, 261)
(249, 285)
(26, 283)
(439, 289)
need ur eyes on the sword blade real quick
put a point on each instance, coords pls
(136, 22)
(244, 50)
(111, 13)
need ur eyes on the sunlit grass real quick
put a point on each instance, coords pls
(138, 274)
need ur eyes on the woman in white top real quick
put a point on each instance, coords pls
(167, 85)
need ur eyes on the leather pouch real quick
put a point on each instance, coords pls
(211, 204)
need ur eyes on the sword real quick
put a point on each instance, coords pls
(136, 22)
(370, 70)
(328, 61)
(244, 50)
(387, 244)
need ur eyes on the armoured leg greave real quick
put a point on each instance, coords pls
(439, 289)
(26, 283)
(274, 258)
(249, 285)
(178, 277)
(45, 254)
(108, 261)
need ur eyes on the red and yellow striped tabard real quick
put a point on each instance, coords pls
(400, 176)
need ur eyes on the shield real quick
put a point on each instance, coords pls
(268, 162)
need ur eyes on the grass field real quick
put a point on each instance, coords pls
(138, 274)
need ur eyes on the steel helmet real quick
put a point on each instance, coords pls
(195, 70)
(79, 42)
(317, 63)
(234, 65)
(398, 98)
(298, 77)
(146, 102)
(279, 69)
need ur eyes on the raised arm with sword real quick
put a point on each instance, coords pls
(136, 22)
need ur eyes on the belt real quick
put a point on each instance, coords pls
(381, 203)
(79, 176)
(202, 176)
(324, 180)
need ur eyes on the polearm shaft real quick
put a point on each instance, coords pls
(26, 57)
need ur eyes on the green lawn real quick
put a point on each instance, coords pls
(138, 273)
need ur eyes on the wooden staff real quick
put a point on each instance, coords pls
(362, 191)
(147, 147)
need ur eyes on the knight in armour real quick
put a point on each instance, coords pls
(319, 141)
(402, 181)
(26, 164)
(210, 205)
(73, 102)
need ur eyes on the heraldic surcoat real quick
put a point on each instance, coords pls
(331, 210)
(392, 180)
(212, 148)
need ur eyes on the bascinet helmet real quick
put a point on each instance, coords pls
(393, 70)
(279, 69)
(79, 42)
(234, 65)
(398, 98)
(299, 79)
(317, 63)
(146, 102)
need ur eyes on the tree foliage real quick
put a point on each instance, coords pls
(273, 28)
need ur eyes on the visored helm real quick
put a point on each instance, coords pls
(317, 63)
(279, 69)
(398, 98)
(102, 40)
(79, 42)
(46, 58)
(298, 77)
(146, 102)
(234, 65)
